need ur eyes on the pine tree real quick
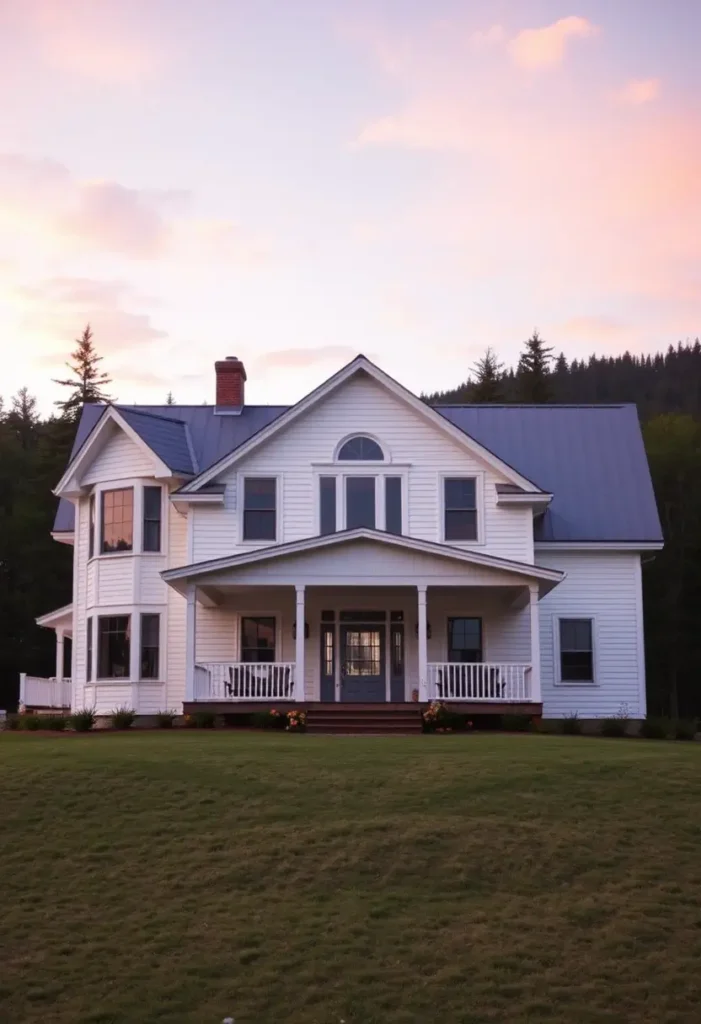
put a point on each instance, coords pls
(88, 381)
(169, 398)
(487, 385)
(533, 373)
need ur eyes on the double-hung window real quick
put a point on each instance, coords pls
(113, 646)
(259, 508)
(576, 651)
(152, 519)
(150, 645)
(117, 526)
(459, 508)
(257, 638)
(465, 639)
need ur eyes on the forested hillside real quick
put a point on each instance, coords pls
(35, 571)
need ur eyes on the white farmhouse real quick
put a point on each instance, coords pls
(358, 548)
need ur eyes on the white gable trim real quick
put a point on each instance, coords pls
(358, 365)
(60, 617)
(411, 544)
(69, 484)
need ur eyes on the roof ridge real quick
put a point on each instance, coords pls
(141, 411)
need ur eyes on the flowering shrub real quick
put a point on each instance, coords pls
(439, 718)
(296, 721)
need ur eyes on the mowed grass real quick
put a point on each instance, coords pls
(191, 876)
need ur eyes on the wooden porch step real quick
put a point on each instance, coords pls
(371, 718)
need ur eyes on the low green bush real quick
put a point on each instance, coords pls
(614, 727)
(57, 723)
(439, 718)
(656, 728)
(82, 721)
(570, 725)
(200, 720)
(165, 719)
(516, 723)
(31, 722)
(123, 717)
(685, 728)
(12, 723)
(272, 719)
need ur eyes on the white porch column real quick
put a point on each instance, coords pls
(299, 643)
(423, 647)
(190, 650)
(59, 655)
(536, 694)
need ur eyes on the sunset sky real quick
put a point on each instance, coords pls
(296, 182)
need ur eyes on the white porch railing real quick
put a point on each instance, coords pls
(40, 692)
(483, 681)
(232, 680)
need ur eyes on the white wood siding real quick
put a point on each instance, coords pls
(115, 575)
(174, 634)
(605, 587)
(362, 405)
(120, 459)
(80, 601)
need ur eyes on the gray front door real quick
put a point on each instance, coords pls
(363, 663)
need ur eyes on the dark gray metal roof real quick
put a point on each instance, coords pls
(591, 458)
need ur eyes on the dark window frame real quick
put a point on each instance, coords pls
(258, 518)
(328, 501)
(105, 656)
(106, 497)
(148, 520)
(354, 480)
(149, 652)
(451, 650)
(245, 649)
(91, 527)
(394, 505)
(88, 650)
(576, 659)
(460, 517)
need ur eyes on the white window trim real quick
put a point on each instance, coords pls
(137, 485)
(261, 614)
(478, 477)
(557, 665)
(240, 494)
(386, 454)
(379, 471)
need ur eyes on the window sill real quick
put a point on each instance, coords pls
(249, 542)
(123, 681)
(576, 682)
(111, 554)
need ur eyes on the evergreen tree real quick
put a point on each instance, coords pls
(169, 398)
(533, 373)
(488, 374)
(88, 381)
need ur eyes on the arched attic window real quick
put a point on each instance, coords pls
(360, 449)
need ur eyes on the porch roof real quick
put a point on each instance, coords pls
(60, 618)
(312, 547)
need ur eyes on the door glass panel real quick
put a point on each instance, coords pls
(363, 652)
(397, 652)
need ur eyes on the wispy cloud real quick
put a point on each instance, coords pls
(544, 47)
(303, 358)
(639, 91)
(93, 41)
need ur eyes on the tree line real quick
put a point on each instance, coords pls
(36, 572)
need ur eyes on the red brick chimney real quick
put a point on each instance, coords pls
(231, 377)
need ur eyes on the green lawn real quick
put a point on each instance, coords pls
(190, 876)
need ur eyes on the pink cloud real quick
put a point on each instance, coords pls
(639, 91)
(90, 40)
(535, 48)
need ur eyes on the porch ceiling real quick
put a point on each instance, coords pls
(362, 558)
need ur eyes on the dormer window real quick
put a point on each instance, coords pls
(360, 449)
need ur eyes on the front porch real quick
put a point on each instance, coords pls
(362, 617)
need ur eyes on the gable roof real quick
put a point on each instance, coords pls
(591, 458)
(361, 366)
(548, 578)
